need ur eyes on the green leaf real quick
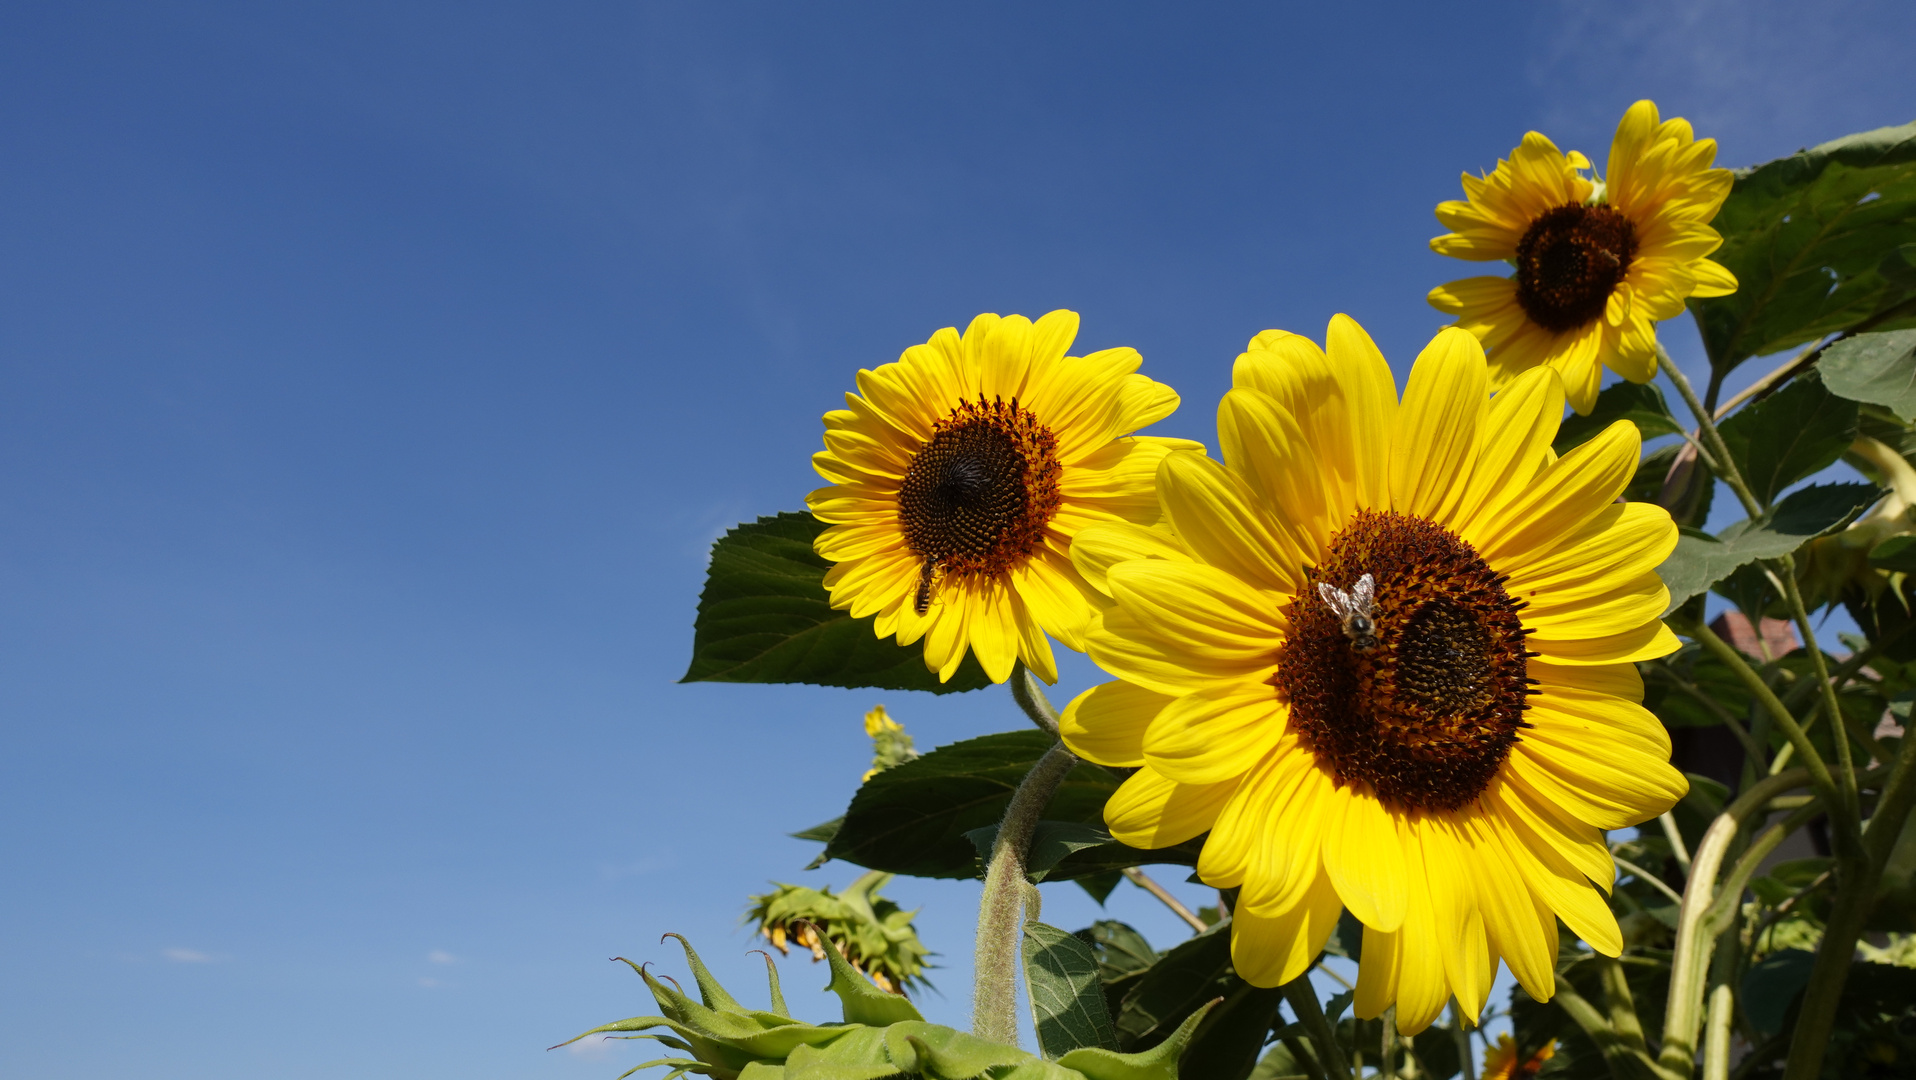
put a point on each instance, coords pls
(765, 617)
(1772, 983)
(1100, 884)
(1051, 841)
(1799, 430)
(1227, 1043)
(1815, 241)
(1895, 554)
(1119, 947)
(1642, 405)
(912, 819)
(1876, 369)
(1701, 560)
(1067, 1000)
(1182, 980)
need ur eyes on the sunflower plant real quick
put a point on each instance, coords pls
(1475, 662)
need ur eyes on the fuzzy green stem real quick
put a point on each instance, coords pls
(1303, 999)
(1029, 694)
(994, 996)
(1856, 886)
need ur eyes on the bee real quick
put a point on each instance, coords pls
(921, 600)
(1353, 610)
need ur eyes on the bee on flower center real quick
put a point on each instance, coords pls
(1354, 610)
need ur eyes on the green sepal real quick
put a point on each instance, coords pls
(1158, 1063)
(943, 1052)
(710, 991)
(864, 1002)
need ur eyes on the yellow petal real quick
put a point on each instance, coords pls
(1435, 444)
(1149, 811)
(1371, 396)
(1264, 446)
(1512, 920)
(1127, 648)
(1097, 548)
(1364, 855)
(1273, 951)
(1522, 421)
(1215, 734)
(1106, 723)
(1565, 496)
(1199, 609)
(1219, 518)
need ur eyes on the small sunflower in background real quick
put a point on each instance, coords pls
(890, 743)
(870, 931)
(1598, 265)
(1503, 1062)
(959, 475)
(1383, 653)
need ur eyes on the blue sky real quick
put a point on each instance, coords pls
(373, 379)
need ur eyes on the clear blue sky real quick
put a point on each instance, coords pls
(373, 378)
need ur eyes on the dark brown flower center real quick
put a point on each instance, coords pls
(1428, 713)
(1569, 261)
(977, 497)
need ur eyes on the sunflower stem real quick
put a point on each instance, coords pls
(994, 994)
(1707, 428)
(1716, 1037)
(1856, 887)
(1143, 881)
(1818, 771)
(1303, 999)
(1848, 813)
(1465, 1058)
(1029, 695)
(1696, 935)
(1386, 1070)
(1710, 705)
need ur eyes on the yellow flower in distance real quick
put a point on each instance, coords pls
(1597, 267)
(1502, 1063)
(959, 475)
(1382, 653)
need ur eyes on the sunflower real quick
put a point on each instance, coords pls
(960, 474)
(1382, 653)
(1597, 266)
(1501, 1061)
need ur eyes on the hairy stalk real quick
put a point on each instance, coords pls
(1848, 813)
(1143, 881)
(1818, 771)
(994, 995)
(1696, 935)
(1029, 694)
(1855, 890)
(1706, 427)
(1303, 999)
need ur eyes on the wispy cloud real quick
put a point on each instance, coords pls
(441, 956)
(431, 984)
(189, 956)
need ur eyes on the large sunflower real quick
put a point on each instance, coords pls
(1597, 266)
(1445, 769)
(960, 474)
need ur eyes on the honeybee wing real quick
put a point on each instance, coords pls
(1363, 594)
(1334, 598)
